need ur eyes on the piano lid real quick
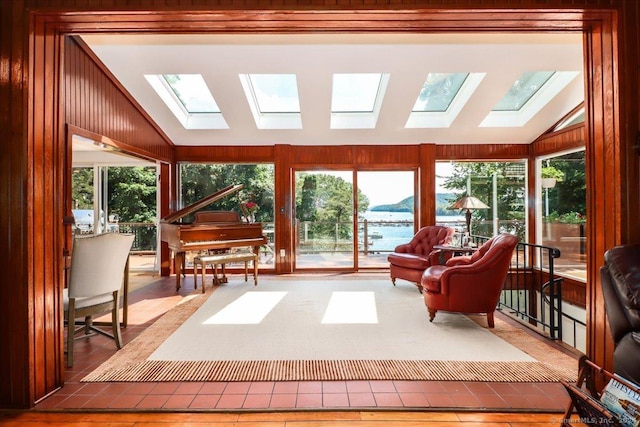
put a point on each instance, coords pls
(178, 215)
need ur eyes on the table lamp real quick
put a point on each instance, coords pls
(468, 203)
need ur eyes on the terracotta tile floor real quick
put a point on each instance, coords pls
(149, 302)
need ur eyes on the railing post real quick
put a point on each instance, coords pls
(365, 237)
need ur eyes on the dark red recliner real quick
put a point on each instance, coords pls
(410, 260)
(470, 284)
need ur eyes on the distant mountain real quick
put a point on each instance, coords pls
(443, 201)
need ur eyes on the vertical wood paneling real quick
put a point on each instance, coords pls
(482, 152)
(604, 181)
(105, 109)
(284, 204)
(164, 187)
(567, 139)
(218, 154)
(630, 110)
(427, 185)
(15, 301)
(30, 145)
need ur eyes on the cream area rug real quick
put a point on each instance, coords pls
(314, 329)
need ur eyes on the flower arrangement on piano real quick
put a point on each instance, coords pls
(250, 209)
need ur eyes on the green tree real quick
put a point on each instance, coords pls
(200, 180)
(325, 200)
(82, 188)
(132, 193)
(569, 196)
(510, 194)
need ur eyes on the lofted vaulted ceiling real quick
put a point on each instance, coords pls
(495, 62)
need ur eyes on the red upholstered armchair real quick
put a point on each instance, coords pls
(410, 260)
(470, 284)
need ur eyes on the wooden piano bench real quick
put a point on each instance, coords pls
(201, 261)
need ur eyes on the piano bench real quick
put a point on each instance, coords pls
(202, 261)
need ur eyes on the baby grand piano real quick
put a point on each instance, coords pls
(210, 230)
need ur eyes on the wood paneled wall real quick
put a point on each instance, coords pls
(565, 139)
(95, 102)
(32, 130)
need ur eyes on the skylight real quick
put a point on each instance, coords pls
(192, 92)
(522, 90)
(355, 93)
(356, 100)
(275, 93)
(189, 99)
(573, 119)
(438, 91)
(526, 97)
(273, 99)
(441, 98)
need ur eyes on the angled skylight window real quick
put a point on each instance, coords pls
(526, 97)
(275, 93)
(189, 99)
(522, 90)
(273, 99)
(438, 92)
(356, 100)
(573, 119)
(355, 93)
(441, 98)
(192, 92)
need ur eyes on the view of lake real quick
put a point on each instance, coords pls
(392, 233)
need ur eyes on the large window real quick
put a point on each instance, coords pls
(561, 211)
(198, 180)
(498, 185)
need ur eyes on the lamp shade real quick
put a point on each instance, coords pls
(469, 202)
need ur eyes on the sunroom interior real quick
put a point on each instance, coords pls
(389, 91)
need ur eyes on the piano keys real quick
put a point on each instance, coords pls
(210, 230)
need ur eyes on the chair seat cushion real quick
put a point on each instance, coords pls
(416, 262)
(431, 278)
(87, 302)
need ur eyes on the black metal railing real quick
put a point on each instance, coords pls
(145, 235)
(532, 291)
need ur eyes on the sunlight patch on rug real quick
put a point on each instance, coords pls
(250, 309)
(351, 307)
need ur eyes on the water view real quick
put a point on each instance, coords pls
(390, 229)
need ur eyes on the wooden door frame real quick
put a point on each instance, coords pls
(45, 136)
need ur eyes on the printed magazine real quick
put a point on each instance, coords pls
(622, 401)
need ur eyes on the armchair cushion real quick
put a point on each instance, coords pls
(417, 262)
(409, 260)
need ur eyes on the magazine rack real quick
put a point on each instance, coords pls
(585, 399)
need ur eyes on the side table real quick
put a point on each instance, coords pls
(455, 250)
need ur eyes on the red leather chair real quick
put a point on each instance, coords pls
(410, 260)
(470, 284)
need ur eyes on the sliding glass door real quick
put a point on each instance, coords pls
(324, 237)
(351, 220)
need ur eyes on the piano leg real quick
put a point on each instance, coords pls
(178, 264)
